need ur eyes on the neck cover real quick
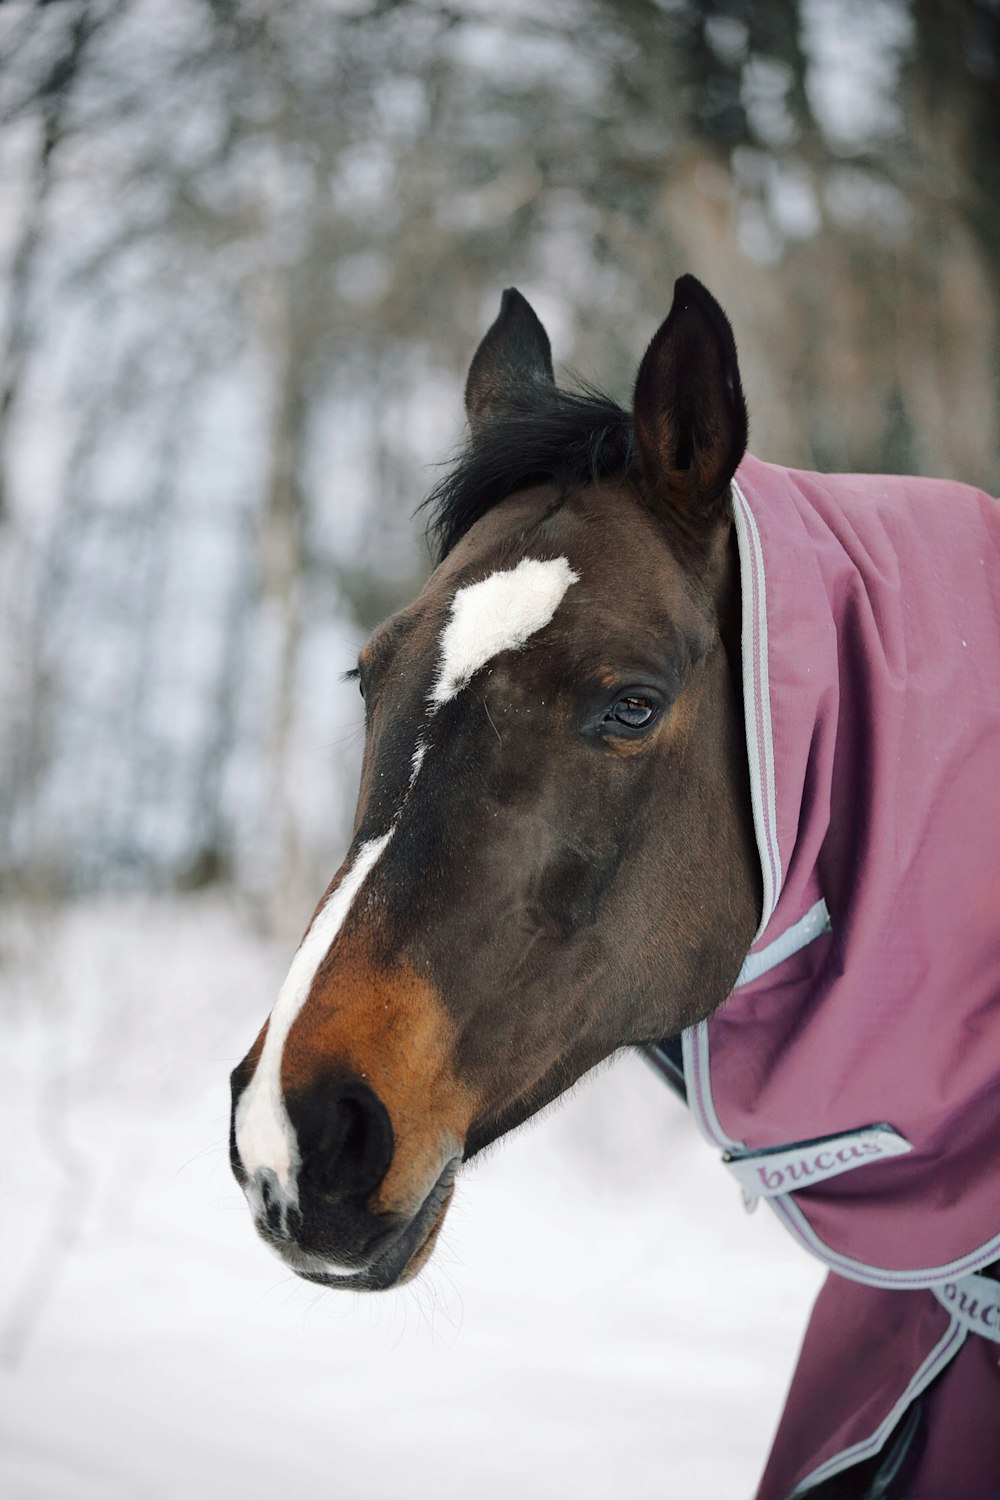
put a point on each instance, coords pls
(871, 676)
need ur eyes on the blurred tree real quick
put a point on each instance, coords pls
(253, 247)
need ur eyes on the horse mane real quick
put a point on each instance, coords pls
(565, 438)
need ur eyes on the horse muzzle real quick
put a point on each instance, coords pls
(319, 1210)
(398, 1254)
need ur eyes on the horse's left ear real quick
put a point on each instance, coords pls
(690, 415)
(512, 362)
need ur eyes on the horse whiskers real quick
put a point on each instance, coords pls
(492, 725)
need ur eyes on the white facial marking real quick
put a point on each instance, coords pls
(264, 1135)
(498, 614)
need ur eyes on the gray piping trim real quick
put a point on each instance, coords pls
(803, 932)
(935, 1362)
(757, 702)
(694, 1042)
(858, 1270)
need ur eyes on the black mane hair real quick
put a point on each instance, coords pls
(565, 438)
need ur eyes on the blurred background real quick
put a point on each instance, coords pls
(247, 250)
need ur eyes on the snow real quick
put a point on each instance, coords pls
(600, 1317)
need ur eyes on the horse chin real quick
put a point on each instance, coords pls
(399, 1261)
(422, 1253)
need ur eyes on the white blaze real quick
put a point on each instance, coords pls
(497, 614)
(264, 1135)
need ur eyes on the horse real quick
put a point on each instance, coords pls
(684, 752)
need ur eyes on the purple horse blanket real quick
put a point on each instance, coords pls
(852, 1079)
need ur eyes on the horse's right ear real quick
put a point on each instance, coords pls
(512, 359)
(690, 415)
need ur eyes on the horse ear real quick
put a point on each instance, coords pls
(513, 357)
(690, 415)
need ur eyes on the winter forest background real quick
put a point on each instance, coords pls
(247, 250)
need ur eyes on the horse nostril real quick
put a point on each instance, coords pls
(344, 1136)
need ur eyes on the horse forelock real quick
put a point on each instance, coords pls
(565, 439)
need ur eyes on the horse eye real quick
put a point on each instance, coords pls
(634, 713)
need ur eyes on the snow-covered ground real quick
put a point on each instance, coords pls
(600, 1319)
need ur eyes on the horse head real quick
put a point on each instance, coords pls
(553, 854)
